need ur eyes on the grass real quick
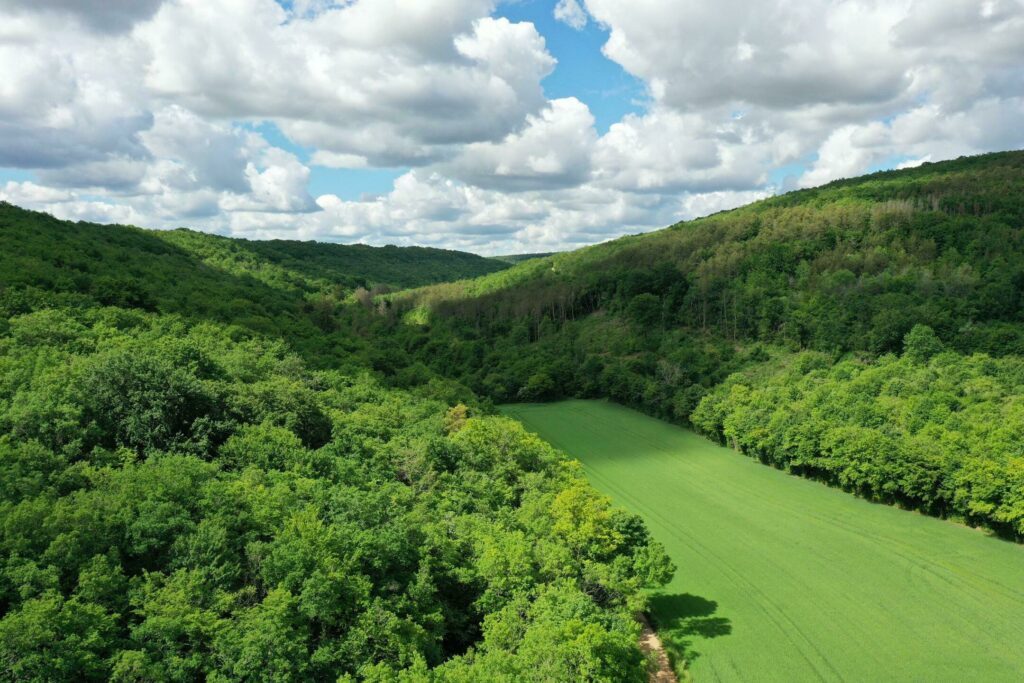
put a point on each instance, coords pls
(784, 579)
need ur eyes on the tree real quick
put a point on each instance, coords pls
(921, 343)
(538, 387)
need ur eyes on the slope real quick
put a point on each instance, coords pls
(926, 264)
(159, 267)
(183, 497)
(291, 290)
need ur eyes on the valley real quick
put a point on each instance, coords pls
(511, 341)
(225, 459)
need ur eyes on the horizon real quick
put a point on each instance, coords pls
(500, 255)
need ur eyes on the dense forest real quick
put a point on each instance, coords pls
(291, 290)
(201, 478)
(234, 460)
(795, 328)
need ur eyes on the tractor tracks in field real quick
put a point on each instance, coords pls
(787, 628)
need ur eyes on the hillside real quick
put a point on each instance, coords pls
(349, 265)
(290, 290)
(201, 478)
(519, 258)
(941, 243)
(877, 326)
(182, 270)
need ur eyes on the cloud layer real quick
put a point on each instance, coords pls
(149, 112)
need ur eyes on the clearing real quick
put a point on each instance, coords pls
(785, 579)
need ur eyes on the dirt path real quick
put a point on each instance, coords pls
(650, 642)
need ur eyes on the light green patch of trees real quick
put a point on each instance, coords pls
(202, 477)
(183, 500)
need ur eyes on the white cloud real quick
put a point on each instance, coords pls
(32, 194)
(554, 150)
(782, 54)
(104, 16)
(429, 208)
(852, 84)
(335, 160)
(924, 133)
(667, 151)
(278, 184)
(571, 13)
(212, 152)
(146, 111)
(396, 83)
(62, 98)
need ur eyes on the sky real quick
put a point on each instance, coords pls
(484, 125)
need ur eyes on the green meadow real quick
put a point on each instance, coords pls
(785, 579)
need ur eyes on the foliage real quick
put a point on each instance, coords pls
(290, 290)
(927, 262)
(940, 432)
(201, 479)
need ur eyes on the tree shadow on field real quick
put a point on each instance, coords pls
(683, 619)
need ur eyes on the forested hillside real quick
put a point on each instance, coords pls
(202, 479)
(519, 258)
(332, 265)
(876, 324)
(197, 273)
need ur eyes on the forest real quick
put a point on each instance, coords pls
(200, 478)
(235, 460)
(793, 328)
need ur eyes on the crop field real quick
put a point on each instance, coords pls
(785, 579)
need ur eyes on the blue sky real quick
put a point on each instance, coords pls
(582, 71)
(495, 127)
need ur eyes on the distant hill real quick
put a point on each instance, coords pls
(349, 264)
(519, 258)
(851, 265)
(266, 286)
(280, 263)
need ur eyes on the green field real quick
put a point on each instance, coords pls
(785, 579)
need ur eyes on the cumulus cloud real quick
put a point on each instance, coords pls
(923, 133)
(848, 84)
(430, 208)
(395, 83)
(668, 151)
(62, 99)
(195, 153)
(278, 183)
(553, 151)
(783, 55)
(104, 16)
(30, 193)
(150, 111)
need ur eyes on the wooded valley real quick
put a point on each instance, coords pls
(233, 460)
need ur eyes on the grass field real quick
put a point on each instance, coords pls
(785, 579)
